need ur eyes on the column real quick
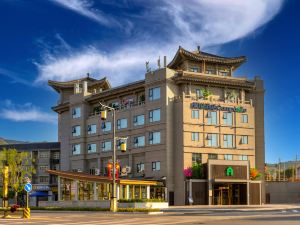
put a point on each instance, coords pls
(95, 191)
(50, 196)
(76, 190)
(127, 192)
(190, 192)
(148, 192)
(58, 190)
(118, 191)
(248, 193)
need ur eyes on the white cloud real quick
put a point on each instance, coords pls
(200, 22)
(25, 112)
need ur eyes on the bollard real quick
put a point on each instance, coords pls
(26, 213)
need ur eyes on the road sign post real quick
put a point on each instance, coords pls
(26, 212)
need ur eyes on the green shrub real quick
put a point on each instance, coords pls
(141, 200)
(137, 210)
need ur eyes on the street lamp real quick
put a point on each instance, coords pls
(5, 185)
(105, 108)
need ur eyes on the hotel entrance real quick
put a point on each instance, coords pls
(229, 194)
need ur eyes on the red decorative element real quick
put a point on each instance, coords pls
(14, 208)
(110, 169)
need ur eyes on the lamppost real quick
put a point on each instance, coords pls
(105, 108)
(5, 186)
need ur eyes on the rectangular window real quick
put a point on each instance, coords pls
(121, 124)
(92, 129)
(196, 158)
(76, 149)
(154, 115)
(156, 166)
(210, 71)
(56, 155)
(212, 140)
(106, 126)
(228, 157)
(76, 112)
(228, 140)
(43, 154)
(223, 73)
(154, 93)
(43, 167)
(139, 120)
(227, 118)
(106, 146)
(195, 114)
(194, 69)
(199, 93)
(244, 118)
(154, 137)
(140, 167)
(91, 148)
(244, 139)
(212, 118)
(243, 157)
(212, 156)
(76, 131)
(139, 141)
(44, 179)
(195, 136)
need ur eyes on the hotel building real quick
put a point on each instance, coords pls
(191, 110)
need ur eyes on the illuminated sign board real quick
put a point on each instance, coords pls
(229, 171)
(238, 109)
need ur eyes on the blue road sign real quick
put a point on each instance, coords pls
(28, 187)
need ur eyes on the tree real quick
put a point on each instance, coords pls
(20, 165)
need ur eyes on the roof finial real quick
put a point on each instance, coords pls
(88, 75)
(198, 47)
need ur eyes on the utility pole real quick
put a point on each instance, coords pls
(279, 169)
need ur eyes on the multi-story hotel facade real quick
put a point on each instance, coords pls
(191, 110)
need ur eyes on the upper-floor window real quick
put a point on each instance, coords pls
(212, 156)
(227, 118)
(210, 71)
(121, 123)
(138, 120)
(154, 93)
(156, 166)
(212, 118)
(43, 154)
(106, 146)
(212, 140)
(139, 141)
(44, 179)
(154, 115)
(76, 112)
(228, 140)
(244, 118)
(228, 157)
(43, 167)
(195, 136)
(223, 73)
(196, 158)
(92, 129)
(56, 155)
(91, 148)
(195, 114)
(199, 93)
(244, 139)
(76, 131)
(140, 167)
(76, 149)
(115, 105)
(194, 69)
(243, 157)
(154, 137)
(106, 126)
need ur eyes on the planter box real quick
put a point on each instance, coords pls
(98, 204)
(144, 205)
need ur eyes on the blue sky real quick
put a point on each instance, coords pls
(65, 39)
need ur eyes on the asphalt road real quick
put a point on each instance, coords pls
(276, 217)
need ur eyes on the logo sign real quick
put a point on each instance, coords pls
(28, 187)
(125, 170)
(238, 109)
(229, 171)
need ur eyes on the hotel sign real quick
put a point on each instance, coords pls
(238, 109)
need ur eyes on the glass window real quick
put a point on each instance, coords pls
(154, 115)
(43, 167)
(92, 148)
(76, 149)
(106, 126)
(76, 131)
(223, 73)
(139, 120)
(243, 157)
(212, 140)
(44, 179)
(154, 93)
(154, 137)
(244, 118)
(139, 141)
(212, 156)
(195, 114)
(195, 136)
(92, 129)
(210, 71)
(228, 157)
(43, 154)
(196, 158)
(121, 123)
(228, 140)
(106, 146)
(199, 93)
(194, 69)
(56, 155)
(140, 167)
(244, 139)
(156, 166)
(212, 118)
(76, 112)
(227, 118)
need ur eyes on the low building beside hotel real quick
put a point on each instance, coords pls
(192, 110)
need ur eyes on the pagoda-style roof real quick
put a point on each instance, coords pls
(199, 56)
(58, 85)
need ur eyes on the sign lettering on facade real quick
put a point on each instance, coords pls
(238, 109)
